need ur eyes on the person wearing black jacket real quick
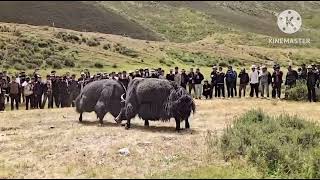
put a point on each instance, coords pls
(64, 91)
(291, 77)
(220, 83)
(191, 81)
(73, 89)
(207, 90)
(312, 78)
(170, 76)
(184, 79)
(244, 80)
(214, 76)
(198, 78)
(55, 90)
(38, 92)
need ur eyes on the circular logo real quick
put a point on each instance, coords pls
(289, 21)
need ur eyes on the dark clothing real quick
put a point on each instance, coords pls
(184, 80)
(312, 78)
(125, 81)
(64, 93)
(191, 82)
(14, 99)
(243, 88)
(214, 76)
(244, 78)
(207, 91)
(170, 77)
(254, 89)
(276, 84)
(198, 78)
(38, 90)
(291, 78)
(304, 73)
(74, 92)
(220, 84)
(55, 92)
(231, 79)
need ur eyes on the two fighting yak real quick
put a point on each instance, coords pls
(156, 99)
(101, 96)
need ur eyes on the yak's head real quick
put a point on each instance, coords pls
(182, 104)
(122, 113)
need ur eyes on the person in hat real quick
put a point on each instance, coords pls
(38, 91)
(73, 89)
(47, 93)
(214, 75)
(254, 81)
(311, 84)
(277, 82)
(244, 80)
(265, 81)
(207, 90)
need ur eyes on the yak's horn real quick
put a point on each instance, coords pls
(122, 98)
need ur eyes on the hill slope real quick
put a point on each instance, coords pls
(71, 15)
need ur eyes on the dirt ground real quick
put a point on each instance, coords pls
(53, 144)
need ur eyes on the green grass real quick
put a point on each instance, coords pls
(281, 147)
(213, 172)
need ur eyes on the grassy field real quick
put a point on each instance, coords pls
(53, 144)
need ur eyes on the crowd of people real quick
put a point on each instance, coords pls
(61, 91)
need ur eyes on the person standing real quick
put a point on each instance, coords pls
(64, 92)
(38, 92)
(291, 77)
(244, 80)
(265, 81)
(198, 78)
(73, 89)
(254, 82)
(311, 84)
(56, 90)
(214, 76)
(177, 76)
(191, 81)
(14, 88)
(28, 92)
(304, 72)
(47, 93)
(184, 79)
(276, 82)
(220, 83)
(231, 78)
(170, 76)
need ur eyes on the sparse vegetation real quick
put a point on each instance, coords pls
(283, 146)
(98, 65)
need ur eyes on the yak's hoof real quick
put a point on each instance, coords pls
(80, 120)
(127, 127)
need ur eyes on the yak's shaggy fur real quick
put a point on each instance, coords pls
(101, 96)
(157, 99)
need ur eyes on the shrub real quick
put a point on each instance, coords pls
(19, 67)
(107, 46)
(98, 65)
(17, 32)
(69, 62)
(283, 146)
(223, 64)
(57, 65)
(93, 42)
(114, 65)
(298, 92)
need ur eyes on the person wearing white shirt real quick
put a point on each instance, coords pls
(254, 81)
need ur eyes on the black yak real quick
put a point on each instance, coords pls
(156, 99)
(101, 96)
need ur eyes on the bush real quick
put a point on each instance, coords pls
(93, 42)
(98, 65)
(283, 146)
(19, 67)
(223, 64)
(69, 63)
(297, 93)
(17, 32)
(107, 46)
(57, 65)
(114, 66)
